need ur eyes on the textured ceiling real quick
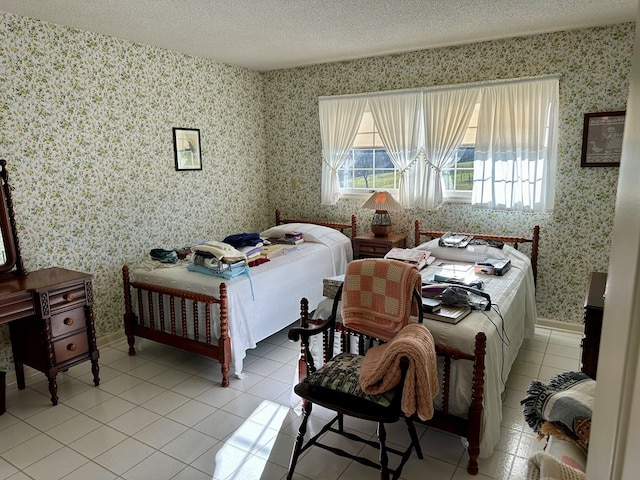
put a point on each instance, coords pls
(272, 34)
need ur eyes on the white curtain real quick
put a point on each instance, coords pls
(446, 119)
(515, 154)
(398, 119)
(339, 122)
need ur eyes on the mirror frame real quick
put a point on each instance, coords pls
(13, 265)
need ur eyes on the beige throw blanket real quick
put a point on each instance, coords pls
(380, 370)
(542, 466)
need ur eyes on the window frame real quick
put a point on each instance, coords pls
(376, 144)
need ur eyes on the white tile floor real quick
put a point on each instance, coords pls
(162, 415)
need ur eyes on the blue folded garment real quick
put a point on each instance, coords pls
(234, 270)
(243, 239)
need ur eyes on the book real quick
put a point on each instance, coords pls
(293, 235)
(290, 241)
(449, 313)
(409, 255)
(430, 305)
(272, 251)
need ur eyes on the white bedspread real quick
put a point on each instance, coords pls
(269, 300)
(514, 296)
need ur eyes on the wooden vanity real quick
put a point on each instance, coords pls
(49, 311)
(50, 315)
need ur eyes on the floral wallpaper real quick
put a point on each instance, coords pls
(594, 65)
(87, 133)
(86, 127)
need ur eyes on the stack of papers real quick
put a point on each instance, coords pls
(419, 258)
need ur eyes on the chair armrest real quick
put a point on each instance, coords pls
(296, 333)
(305, 331)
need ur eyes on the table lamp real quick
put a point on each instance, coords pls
(381, 202)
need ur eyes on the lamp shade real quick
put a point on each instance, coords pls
(381, 202)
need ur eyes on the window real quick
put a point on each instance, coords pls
(367, 166)
(458, 174)
(491, 144)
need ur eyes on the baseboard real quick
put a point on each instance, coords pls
(109, 339)
(556, 325)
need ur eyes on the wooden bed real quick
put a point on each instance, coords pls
(467, 420)
(190, 320)
(471, 426)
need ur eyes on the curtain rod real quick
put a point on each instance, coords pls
(444, 87)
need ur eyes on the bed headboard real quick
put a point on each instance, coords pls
(338, 226)
(515, 241)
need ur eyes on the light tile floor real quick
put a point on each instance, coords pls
(162, 414)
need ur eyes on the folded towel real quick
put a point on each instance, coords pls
(380, 370)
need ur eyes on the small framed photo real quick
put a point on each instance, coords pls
(186, 148)
(602, 139)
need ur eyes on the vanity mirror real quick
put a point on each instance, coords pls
(10, 259)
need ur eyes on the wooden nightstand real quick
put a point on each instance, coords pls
(593, 311)
(368, 245)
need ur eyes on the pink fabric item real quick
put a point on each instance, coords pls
(377, 296)
(380, 370)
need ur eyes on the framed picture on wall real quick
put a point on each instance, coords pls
(186, 148)
(602, 139)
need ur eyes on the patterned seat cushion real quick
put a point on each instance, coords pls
(341, 374)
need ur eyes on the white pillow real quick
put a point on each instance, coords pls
(472, 253)
(310, 232)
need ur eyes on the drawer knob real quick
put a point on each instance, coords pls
(72, 347)
(68, 321)
(68, 297)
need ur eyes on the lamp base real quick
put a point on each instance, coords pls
(381, 223)
(381, 230)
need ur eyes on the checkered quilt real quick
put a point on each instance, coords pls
(377, 295)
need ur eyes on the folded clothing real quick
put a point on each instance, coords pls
(233, 271)
(243, 239)
(220, 250)
(164, 256)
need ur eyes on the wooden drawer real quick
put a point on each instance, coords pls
(373, 249)
(68, 321)
(71, 347)
(67, 297)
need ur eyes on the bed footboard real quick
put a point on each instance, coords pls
(469, 427)
(167, 315)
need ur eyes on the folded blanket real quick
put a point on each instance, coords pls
(562, 407)
(377, 296)
(381, 371)
(543, 466)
